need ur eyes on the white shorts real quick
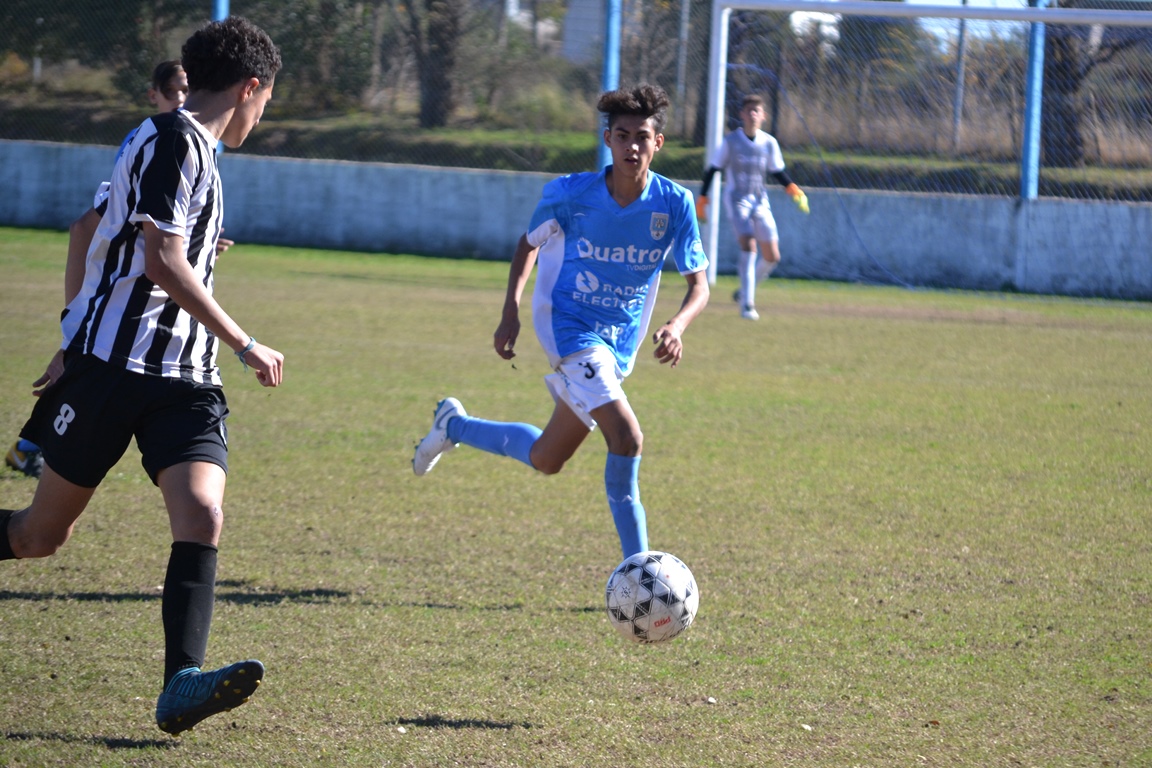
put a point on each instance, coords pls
(751, 215)
(586, 380)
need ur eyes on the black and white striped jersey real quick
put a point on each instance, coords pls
(168, 176)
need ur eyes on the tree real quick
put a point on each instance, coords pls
(874, 53)
(327, 45)
(129, 37)
(1071, 53)
(756, 45)
(433, 28)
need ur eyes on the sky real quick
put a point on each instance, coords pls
(940, 26)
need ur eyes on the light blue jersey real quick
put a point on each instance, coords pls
(599, 265)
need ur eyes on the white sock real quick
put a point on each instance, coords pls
(764, 268)
(748, 278)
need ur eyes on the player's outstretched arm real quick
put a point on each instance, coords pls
(166, 265)
(668, 337)
(524, 258)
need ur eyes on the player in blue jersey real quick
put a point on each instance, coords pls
(600, 241)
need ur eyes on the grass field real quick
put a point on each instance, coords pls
(919, 521)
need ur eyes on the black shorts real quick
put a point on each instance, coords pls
(84, 422)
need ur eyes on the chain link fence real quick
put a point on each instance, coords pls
(937, 105)
(881, 103)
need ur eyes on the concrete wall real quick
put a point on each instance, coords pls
(956, 241)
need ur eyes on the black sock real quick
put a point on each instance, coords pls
(6, 552)
(189, 593)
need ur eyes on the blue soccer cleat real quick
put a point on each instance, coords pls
(29, 461)
(192, 695)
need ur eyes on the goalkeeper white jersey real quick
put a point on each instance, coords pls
(167, 176)
(747, 162)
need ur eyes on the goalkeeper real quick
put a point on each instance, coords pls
(747, 155)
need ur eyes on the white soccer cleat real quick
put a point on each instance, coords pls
(749, 313)
(436, 443)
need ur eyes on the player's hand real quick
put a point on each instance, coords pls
(269, 364)
(504, 340)
(223, 244)
(798, 197)
(669, 346)
(51, 374)
(702, 209)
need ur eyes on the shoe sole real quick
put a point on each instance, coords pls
(229, 693)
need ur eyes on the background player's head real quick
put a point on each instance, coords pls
(636, 118)
(232, 63)
(752, 113)
(169, 86)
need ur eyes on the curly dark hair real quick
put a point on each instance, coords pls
(222, 53)
(644, 100)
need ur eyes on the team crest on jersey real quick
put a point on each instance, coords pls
(658, 225)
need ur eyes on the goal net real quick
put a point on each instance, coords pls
(942, 99)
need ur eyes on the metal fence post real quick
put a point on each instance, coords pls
(1033, 96)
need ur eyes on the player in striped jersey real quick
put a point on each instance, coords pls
(139, 349)
(166, 91)
(748, 155)
(601, 240)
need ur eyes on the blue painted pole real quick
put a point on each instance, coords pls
(610, 77)
(1033, 96)
(219, 13)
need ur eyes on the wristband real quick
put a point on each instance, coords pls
(240, 355)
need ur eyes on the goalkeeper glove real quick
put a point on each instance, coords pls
(702, 209)
(798, 197)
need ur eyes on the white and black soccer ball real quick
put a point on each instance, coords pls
(651, 597)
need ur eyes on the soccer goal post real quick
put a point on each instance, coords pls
(1101, 13)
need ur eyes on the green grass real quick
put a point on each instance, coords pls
(919, 521)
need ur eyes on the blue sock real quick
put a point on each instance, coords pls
(621, 481)
(503, 438)
(24, 446)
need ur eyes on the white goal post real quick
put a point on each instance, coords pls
(718, 53)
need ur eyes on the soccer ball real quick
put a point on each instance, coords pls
(651, 597)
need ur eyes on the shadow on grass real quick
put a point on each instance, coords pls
(453, 606)
(87, 597)
(239, 598)
(244, 597)
(100, 741)
(436, 721)
(240, 593)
